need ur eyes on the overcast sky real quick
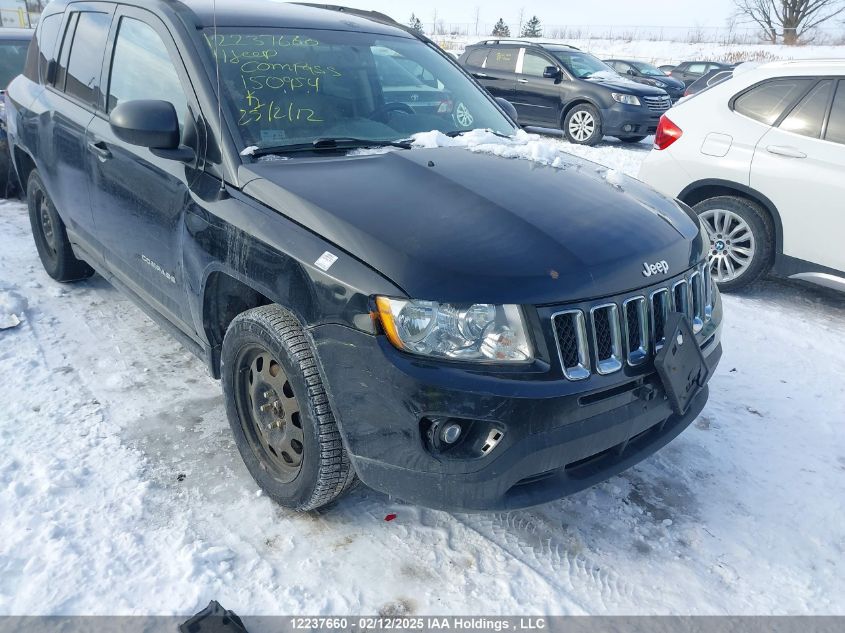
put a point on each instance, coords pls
(560, 12)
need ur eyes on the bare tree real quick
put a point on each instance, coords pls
(790, 20)
(521, 19)
(477, 18)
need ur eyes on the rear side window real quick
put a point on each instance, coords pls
(836, 124)
(807, 117)
(503, 59)
(768, 101)
(476, 57)
(86, 56)
(43, 48)
(142, 69)
(696, 69)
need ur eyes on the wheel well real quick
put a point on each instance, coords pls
(569, 107)
(225, 298)
(25, 166)
(698, 193)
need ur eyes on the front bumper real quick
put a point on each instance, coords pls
(628, 120)
(558, 437)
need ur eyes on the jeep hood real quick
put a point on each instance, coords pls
(449, 224)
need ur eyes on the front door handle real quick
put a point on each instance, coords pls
(101, 150)
(789, 152)
(480, 76)
(522, 81)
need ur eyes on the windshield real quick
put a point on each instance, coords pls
(582, 65)
(12, 59)
(649, 70)
(289, 88)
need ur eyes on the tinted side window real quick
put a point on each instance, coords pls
(476, 57)
(142, 69)
(503, 59)
(534, 65)
(836, 124)
(808, 116)
(86, 56)
(697, 69)
(766, 102)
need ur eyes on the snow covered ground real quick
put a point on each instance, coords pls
(121, 491)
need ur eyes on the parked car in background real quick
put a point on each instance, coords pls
(690, 72)
(14, 44)
(454, 328)
(761, 159)
(644, 73)
(558, 86)
(667, 68)
(710, 79)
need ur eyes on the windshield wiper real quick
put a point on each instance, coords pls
(330, 144)
(457, 133)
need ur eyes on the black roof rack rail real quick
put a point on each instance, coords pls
(372, 15)
(511, 40)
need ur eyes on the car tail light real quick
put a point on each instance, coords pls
(667, 133)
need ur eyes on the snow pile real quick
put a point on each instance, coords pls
(12, 308)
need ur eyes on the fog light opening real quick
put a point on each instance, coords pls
(451, 433)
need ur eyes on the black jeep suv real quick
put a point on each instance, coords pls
(558, 86)
(454, 328)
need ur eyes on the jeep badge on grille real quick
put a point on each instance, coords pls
(654, 269)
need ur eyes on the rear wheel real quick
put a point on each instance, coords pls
(50, 236)
(279, 411)
(582, 125)
(741, 240)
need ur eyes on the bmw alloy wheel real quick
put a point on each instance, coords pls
(582, 125)
(732, 244)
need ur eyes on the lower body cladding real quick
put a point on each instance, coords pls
(454, 439)
(627, 120)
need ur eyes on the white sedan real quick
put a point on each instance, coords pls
(761, 159)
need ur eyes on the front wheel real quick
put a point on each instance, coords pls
(741, 240)
(582, 125)
(279, 411)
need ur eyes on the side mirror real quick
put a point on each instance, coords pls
(509, 109)
(151, 124)
(551, 72)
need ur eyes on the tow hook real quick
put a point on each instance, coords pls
(646, 393)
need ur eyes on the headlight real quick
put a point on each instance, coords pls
(476, 333)
(622, 98)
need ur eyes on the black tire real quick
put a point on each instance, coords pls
(596, 134)
(632, 139)
(324, 471)
(50, 235)
(761, 227)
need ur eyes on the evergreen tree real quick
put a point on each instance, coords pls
(416, 24)
(532, 28)
(501, 29)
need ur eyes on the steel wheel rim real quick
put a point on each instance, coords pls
(463, 115)
(582, 125)
(732, 244)
(48, 230)
(270, 414)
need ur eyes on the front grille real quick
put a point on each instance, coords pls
(658, 104)
(629, 332)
